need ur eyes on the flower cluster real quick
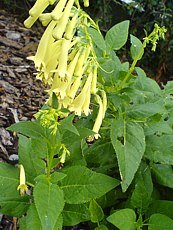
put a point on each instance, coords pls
(65, 58)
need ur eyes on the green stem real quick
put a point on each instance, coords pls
(132, 66)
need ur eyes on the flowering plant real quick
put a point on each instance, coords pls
(94, 151)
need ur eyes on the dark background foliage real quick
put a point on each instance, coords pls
(142, 15)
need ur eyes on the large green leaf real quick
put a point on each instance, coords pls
(159, 221)
(28, 128)
(82, 184)
(11, 203)
(49, 201)
(30, 153)
(96, 211)
(128, 140)
(136, 48)
(141, 196)
(123, 219)
(31, 220)
(117, 36)
(164, 207)
(163, 174)
(159, 148)
(97, 38)
(74, 214)
(144, 111)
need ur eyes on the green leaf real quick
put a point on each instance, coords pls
(97, 38)
(164, 207)
(117, 36)
(54, 101)
(168, 89)
(123, 219)
(141, 196)
(28, 128)
(31, 220)
(74, 214)
(11, 203)
(145, 110)
(136, 48)
(159, 221)
(82, 184)
(128, 140)
(57, 176)
(96, 157)
(66, 124)
(101, 227)
(49, 202)
(159, 148)
(96, 212)
(163, 174)
(30, 153)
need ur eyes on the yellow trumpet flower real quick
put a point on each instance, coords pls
(86, 3)
(45, 18)
(57, 12)
(79, 101)
(69, 31)
(99, 118)
(62, 66)
(38, 8)
(61, 26)
(22, 186)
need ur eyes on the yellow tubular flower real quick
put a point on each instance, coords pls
(60, 28)
(62, 67)
(44, 46)
(45, 18)
(36, 11)
(30, 21)
(69, 31)
(22, 186)
(57, 12)
(94, 81)
(99, 118)
(81, 62)
(38, 8)
(70, 70)
(79, 101)
(86, 3)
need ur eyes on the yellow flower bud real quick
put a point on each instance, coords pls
(86, 3)
(57, 12)
(99, 118)
(81, 62)
(38, 8)
(30, 21)
(62, 67)
(22, 186)
(69, 31)
(60, 27)
(45, 18)
(79, 101)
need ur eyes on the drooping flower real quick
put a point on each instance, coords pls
(99, 118)
(62, 23)
(22, 186)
